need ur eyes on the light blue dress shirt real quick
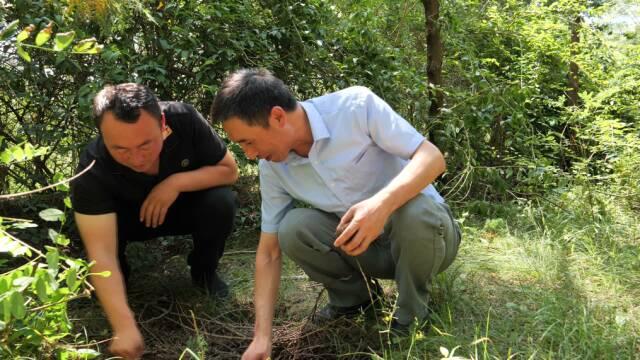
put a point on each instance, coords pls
(359, 145)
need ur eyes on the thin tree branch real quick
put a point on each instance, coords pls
(11, 196)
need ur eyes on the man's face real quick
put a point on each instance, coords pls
(136, 146)
(258, 142)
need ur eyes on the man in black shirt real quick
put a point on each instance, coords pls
(157, 169)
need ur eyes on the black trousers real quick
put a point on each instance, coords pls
(207, 215)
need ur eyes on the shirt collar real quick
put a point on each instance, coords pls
(172, 139)
(319, 131)
(318, 127)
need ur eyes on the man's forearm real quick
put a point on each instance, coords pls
(225, 172)
(424, 167)
(267, 282)
(202, 178)
(111, 293)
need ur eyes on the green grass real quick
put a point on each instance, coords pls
(541, 282)
(537, 279)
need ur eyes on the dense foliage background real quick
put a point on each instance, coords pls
(512, 134)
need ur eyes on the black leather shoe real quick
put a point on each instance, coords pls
(331, 312)
(399, 329)
(214, 286)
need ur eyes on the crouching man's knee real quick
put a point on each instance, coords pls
(304, 232)
(422, 223)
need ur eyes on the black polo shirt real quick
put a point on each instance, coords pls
(109, 186)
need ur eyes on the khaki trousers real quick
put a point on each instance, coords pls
(419, 241)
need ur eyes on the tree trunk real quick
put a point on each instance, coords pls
(573, 99)
(574, 86)
(434, 55)
(4, 185)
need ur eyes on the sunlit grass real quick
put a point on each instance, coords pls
(539, 282)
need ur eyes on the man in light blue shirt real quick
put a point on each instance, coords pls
(366, 175)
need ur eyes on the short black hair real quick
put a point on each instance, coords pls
(125, 102)
(250, 94)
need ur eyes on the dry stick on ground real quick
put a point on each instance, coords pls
(181, 316)
(222, 324)
(163, 314)
(239, 252)
(313, 314)
(229, 339)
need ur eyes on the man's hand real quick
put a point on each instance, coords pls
(127, 344)
(361, 225)
(155, 206)
(259, 349)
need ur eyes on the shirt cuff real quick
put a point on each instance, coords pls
(414, 145)
(269, 228)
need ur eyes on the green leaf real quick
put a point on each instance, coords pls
(41, 289)
(83, 354)
(63, 40)
(22, 282)
(5, 157)
(72, 279)
(24, 225)
(67, 202)
(6, 308)
(58, 177)
(95, 50)
(63, 240)
(4, 285)
(23, 54)
(53, 259)
(28, 151)
(85, 45)
(13, 247)
(9, 30)
(18, 152)
(51, 214)
(444, 351)
(60, 58)
(23, 35)
(53, 283)
(105, 274)
(39, 151)
(58, 238)
(17, 305)
(164, 44)
(43, 36)
(87, 354)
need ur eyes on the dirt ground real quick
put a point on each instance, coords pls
(174, 316)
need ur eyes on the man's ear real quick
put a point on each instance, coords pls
(277, 117)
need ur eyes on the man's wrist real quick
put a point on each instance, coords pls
(124, 323)
(387, 201)
(174, 182)
(262, 335)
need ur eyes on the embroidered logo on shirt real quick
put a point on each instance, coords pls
(184, 163)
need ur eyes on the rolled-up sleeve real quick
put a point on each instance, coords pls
(275, 200)
(387, 129)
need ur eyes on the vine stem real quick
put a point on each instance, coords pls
(11, 196)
